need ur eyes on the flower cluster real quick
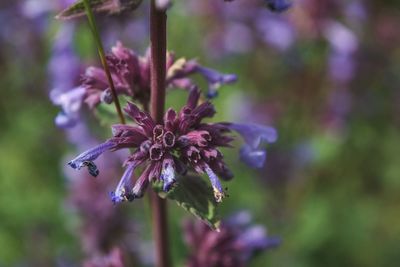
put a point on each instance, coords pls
(131, 76)
(183, 142)
(234, 245)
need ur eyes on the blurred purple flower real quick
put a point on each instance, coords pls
(255, 135)
(215, 79)
(63, 71)
(275, 31)
(344, 44)
(234, 245)
(240, 24)
(278, 5)
(113, 259)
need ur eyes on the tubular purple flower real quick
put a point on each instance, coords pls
(125, 186)
(216, 184)
(215, 80)
(253, 157)
(86, 158)
(254, 135)
(142, 183)
(63, 70)
(70, 102)
(255, 237)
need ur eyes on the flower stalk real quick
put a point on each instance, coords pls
(158, 43)
(100, 48)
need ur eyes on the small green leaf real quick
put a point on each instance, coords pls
(98, 6)
(194, 195)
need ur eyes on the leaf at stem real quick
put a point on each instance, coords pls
(98, 6)
(194, 195)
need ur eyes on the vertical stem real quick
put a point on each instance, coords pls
(96, 35)
(158, 43)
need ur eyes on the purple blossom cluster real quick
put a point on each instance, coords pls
(182, 143)
(131, 75)
(234, 245)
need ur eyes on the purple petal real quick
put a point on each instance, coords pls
(63, 120)
(123, 191)
(216, 184)
(168, 174)
(278, 5)
(215, 79)
(193, 98)
(239, 219)
(254, 134)
(86, 158)
(70, 102)
(253, 157)
(255, 238)
(142, 183)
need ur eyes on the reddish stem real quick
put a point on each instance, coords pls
(158, 43)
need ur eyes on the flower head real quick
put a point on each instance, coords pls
(234, 245)
(131, 76)
(182, 142)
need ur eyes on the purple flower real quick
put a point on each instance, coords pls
(255, 158)
(70, 102)
(63, 71)
(86, 158)
(215, 80)
(278, 5)
(255, 135)
(113, 259)
(131, 76)
(182, 142)
(234, 245)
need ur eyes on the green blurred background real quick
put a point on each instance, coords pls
(331, 185)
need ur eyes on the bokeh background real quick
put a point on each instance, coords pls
(325, 74)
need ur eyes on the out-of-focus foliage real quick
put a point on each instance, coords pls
(331, 186)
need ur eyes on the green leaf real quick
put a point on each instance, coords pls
(194, 195)
(98, 6)
(106, 114)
